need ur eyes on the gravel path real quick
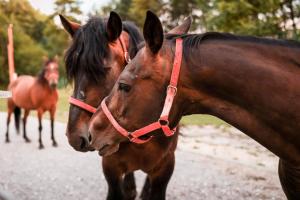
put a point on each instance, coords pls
(211, 164)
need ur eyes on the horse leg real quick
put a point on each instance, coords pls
(113, 176)
(129, 187)
(10, 110)
(160, 176)
(40, 113)
(289, 175)
(146, 189)
(52, 114)
(26, 113)
(7, 126)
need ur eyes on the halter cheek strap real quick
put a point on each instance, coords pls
(163, 121)
(86, 106)
(82, 105)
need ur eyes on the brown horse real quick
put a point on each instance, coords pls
(251, 83)
(94, 60)
(34, 93)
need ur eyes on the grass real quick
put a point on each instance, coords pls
(63, 110)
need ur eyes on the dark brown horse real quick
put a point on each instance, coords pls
(34, 93)
(251, 83)
(94, 61)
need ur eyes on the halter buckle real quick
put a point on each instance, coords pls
(129, 135)
(127, 57)
(171, 87)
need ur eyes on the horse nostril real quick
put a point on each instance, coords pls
(84, 143)
(90, 137)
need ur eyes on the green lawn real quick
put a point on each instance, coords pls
(63, 109)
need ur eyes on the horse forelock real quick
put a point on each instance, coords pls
(87, 51)
(89, 48)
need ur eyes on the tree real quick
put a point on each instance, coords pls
(68, 8)
(134, 10)
(35, 35)
(253, 17)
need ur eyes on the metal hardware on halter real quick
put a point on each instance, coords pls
(172, 87)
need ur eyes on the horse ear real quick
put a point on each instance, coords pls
(153, 32)
(56, 58)
(182, 28)
(45, 59)
(70, 27)
(114, 26)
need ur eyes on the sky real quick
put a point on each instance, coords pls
(47, 6)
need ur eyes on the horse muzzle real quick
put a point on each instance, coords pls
(80, 143)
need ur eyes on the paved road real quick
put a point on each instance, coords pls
(61, 173)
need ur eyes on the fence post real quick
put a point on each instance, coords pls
(10, 53)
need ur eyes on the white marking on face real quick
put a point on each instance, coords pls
(52, 66)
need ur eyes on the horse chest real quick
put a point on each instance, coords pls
(143, 157)
(45, 100)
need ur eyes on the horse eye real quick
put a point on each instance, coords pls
(124, 87)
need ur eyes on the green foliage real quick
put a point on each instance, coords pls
(68, 8)
(139, 7)
(133, 10)
(271, 18)
(28, 54)
(35, 35)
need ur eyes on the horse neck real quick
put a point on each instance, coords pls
(43, 83)
(246, 85)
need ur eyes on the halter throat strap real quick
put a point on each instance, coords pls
(163, 121)
(87, 107)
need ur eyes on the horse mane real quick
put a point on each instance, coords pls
(194, 40)
(41, 75)
(90, 47)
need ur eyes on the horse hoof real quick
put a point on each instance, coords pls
(54, 144)
(27, 140)
(7, 141)
(41, 146)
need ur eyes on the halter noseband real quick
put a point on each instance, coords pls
(163, 121)
(87, 107)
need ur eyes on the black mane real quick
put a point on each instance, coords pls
(90, 47)
(193, 40)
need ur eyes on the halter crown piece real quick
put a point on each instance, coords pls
(87, 107)
(163, 121)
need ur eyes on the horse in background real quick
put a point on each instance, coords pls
(34, 93)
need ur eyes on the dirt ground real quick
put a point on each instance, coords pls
(211, 163)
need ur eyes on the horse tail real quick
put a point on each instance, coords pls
(17, 115)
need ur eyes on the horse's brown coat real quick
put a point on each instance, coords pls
(251, 83)
(34, 93)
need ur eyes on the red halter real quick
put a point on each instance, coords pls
(163, 121)
(86, 106)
